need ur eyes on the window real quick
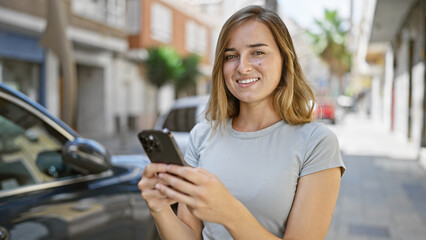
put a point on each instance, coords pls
(109, 12)
(161, 23)
(180, 119)
(133, 17)
(30, 150)
(196, 38)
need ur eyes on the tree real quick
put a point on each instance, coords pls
(190, 73)
(330, 45)
(162, 65)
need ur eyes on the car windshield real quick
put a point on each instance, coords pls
(180, 119)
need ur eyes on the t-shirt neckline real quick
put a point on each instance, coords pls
(255, 134)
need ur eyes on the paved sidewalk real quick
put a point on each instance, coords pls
(383, 192)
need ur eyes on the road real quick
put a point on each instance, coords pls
(383, 191)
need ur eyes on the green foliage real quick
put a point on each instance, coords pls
(329, 42)
(163, 64)
(189, 76)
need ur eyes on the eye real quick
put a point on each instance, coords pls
(229, 57)
(258, 53)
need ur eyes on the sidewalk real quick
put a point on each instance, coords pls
(383, 191)
(358, 135)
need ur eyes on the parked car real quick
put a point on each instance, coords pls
(56, 185)
(182, 117)
(325, 110)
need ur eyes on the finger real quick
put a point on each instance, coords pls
(155, 199)
(175, 195)
(149, 183)
(153, 168)
(205, 172)
(191, 174)
(152, 194)
(178, 184)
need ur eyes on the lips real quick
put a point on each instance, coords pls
(247, 81)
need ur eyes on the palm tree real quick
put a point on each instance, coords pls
(330, 45)
(162, 65)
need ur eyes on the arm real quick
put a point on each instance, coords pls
(206, 198)
(194, 223)
(313, 206)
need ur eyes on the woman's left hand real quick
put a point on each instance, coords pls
(204, 194)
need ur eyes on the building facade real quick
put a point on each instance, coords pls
(99, 39)
(177, 24)
(394, 63)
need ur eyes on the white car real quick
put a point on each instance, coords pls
(182, 117)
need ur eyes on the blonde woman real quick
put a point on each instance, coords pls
(261, 168)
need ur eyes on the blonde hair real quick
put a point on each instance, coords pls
(294, 98)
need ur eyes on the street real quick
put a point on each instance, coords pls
(383, 191)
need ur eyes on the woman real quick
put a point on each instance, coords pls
(261, 169)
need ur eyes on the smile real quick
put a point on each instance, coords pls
(245, 81)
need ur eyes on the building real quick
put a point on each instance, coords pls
(178, 24)
(97, 30)
(391, 61)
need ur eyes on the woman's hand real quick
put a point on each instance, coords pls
(155, 200)
(203, 193)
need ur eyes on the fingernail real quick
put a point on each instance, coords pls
(157, 186)
(160, 175)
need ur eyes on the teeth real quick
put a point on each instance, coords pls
(248, 80)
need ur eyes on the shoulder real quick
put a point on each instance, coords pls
(200, 133)
(312, 134)
(314, 130)
(201, 129)
(319, 137)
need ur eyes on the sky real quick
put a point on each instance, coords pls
(305, 11)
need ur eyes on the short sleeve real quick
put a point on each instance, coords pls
(322, 152)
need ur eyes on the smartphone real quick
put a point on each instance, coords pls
(161, 147)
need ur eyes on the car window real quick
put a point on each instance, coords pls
(180, 119)
(30, 149)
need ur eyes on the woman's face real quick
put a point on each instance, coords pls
(253, 63)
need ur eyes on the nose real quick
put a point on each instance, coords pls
(244, 65)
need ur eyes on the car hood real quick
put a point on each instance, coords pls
(139, 160)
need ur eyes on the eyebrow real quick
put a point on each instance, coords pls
(249, 46)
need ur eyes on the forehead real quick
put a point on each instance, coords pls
(251, 32)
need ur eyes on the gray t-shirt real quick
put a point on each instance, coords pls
(261, 169)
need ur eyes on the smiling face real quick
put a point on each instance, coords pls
(253, 63)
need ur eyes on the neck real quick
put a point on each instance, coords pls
(255, 116)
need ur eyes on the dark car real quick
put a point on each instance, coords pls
(56, 185)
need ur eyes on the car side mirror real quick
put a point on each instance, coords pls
(86, 156)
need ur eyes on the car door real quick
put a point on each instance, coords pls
(41, 197)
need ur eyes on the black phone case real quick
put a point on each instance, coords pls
(160, 147)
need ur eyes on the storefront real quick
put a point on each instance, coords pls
(22, 64)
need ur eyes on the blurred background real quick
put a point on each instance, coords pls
(109, 68)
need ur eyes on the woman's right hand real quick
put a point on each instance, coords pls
(155, 200)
